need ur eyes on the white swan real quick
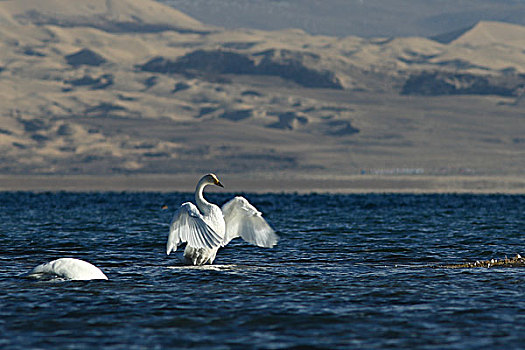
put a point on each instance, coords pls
(68, 268)
(205, 227)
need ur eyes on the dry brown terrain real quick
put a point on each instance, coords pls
(264, 183)
(123, 94)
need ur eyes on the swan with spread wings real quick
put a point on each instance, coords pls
(205, 227)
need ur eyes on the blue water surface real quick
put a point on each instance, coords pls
(350, 271)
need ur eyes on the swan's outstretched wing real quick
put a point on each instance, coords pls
(189, 226)
(243, 220)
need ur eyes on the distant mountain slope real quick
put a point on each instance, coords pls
(493, 33)
(448, 37)
(110, 15)
(135, 86)
(365, 18)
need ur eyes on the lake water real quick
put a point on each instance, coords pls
(350, 271)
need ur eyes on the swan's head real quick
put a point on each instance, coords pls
(211, 179)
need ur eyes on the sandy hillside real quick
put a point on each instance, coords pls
(366, 18)
(136, 87)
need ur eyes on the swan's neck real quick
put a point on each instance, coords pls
(201, 202)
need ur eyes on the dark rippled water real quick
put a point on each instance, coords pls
(350, 271)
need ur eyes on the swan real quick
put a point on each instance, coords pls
(68, 268)
(206, 227)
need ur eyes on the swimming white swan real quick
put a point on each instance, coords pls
(206, 227)
(69, 268)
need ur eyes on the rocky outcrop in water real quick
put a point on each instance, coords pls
(517, 261)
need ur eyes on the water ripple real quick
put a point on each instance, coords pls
(350, 271)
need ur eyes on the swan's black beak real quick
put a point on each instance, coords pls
(219, 184)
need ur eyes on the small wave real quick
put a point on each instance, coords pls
(227, 267)
(42, 277)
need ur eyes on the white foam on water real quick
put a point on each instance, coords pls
(227, 267)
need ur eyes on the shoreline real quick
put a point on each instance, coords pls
(266, 183)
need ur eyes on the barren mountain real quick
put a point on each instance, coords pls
(366, 18)
(122, 86)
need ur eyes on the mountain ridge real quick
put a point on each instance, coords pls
(491, 32)
(99, 13)
(368, 19)
(87, 99)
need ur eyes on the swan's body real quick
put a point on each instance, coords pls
(68, 268)
(206, 227)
